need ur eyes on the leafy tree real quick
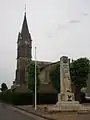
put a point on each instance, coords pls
(79, 70)
(54, 74)
(31, 77)
(4, 87)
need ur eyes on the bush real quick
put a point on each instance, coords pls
(27, 98)
(47, 98)
(21, 98)
(16, 98)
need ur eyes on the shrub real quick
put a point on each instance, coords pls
(47, 98)
(27, 98)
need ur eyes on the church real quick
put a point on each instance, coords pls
(24, 56)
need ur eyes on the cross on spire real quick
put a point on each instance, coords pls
(25, 8)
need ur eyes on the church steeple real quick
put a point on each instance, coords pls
(24, 41)
(25, 30)
(24, 52)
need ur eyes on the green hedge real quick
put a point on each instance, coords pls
(27, 98)
(47, 98)
(21, 99)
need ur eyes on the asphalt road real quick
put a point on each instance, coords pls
(7, 113)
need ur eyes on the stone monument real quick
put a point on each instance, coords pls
(66, 99)
(65, 81)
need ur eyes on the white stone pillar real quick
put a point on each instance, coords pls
(62, 89)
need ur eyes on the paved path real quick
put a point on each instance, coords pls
(75, 117)
(8, 113)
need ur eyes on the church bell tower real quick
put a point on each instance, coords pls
(24, 52)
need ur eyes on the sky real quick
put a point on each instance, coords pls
(57, 27)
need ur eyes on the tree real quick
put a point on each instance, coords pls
(54, 74)
(31, 77)
(4, 87)
(79, 70)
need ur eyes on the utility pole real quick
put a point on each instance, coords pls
(35, 82)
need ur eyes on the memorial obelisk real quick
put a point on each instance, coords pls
(65, 81)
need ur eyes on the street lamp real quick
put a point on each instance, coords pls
(35, 82)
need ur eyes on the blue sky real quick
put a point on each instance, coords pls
(57, 27)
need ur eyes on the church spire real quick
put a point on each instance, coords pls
(25, 30)
(24, 40)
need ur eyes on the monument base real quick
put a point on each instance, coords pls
(66, 106)
(63, 106)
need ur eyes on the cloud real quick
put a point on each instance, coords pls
(85, 14)
(49, 36)
(74, 21)
(62, 26)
